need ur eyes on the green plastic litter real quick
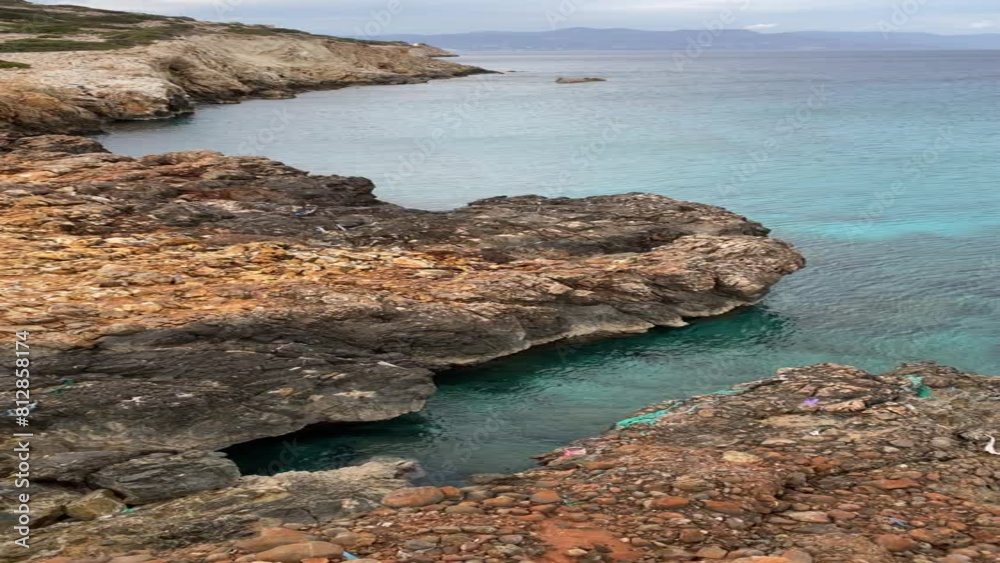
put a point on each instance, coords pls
(66, 384)
(650, 418)
(917, 384)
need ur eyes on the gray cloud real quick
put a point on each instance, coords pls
(345, 17)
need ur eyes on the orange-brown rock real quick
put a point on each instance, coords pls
(670, 502)
(545, 496)
(413, 497)
(296, 552)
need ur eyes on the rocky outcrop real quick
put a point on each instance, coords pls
(193, 301)
(578, 80)
(823, 464)
(78, 91)
(156, 477)
(296, 498)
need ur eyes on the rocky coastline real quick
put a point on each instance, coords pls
(146, 67)
(186, 302)
(823, 464)
(182, 303)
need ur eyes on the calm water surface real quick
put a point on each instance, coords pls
(882, 167)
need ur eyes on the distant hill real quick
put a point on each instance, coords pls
(581, 38)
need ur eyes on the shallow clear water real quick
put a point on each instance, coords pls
(882, 167)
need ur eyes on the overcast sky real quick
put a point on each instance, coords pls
(349, 17)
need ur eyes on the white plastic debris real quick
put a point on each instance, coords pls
(991, 446)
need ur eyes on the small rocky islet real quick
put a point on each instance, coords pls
(185, 302)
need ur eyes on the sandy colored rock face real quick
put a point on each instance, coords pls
(78, 91)
(94, 505)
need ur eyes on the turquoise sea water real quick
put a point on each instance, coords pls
(883, 167)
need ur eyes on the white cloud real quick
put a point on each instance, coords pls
(761, 26)
(983, 24)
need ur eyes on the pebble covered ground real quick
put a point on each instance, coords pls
(821, 464)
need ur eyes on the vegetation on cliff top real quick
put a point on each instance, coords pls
(78, 28)
(13, 64)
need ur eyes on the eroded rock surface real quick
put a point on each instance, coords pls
(190, 301)
(296, 498)
(823, 464)
(157, 477)
(76, 91)
(193, 301)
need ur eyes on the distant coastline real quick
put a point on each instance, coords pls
(590, 39)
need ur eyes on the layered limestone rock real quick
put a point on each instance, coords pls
(822, 464)
(194, 301)
(296, 497)
(185, 302)
(78, 91)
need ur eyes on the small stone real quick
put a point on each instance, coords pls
(778, 442)
(463, 509)
(814, 517)
(500, 502)
(942, 442)
(576, 552)
(94, 505)
(741, 457)
(893, 484)
(452, 493)
(689, 535)
(669, 502)
(712, 552)
(798, 556)
(271, 538)
(692, 483)
(346, 539)
(296, 552)
(896, 544)
(413, 497)
(730, 508)
(545, 496)
(419, 545)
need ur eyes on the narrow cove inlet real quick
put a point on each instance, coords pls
(892, 275)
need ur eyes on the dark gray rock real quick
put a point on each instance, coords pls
(148, 479)
(215, 516)
(74, 467)
(578, 80)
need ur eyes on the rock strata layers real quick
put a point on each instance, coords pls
(823, 464)
(78, 91)
(193, 301)
(185, 302)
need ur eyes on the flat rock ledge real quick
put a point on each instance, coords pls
(182, 303)
(822, 464)
(578, 79)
